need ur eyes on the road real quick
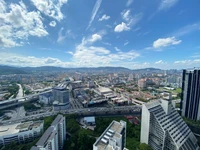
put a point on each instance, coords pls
(20, 110)
(97, 111)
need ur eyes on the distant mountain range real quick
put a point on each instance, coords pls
(5, 70)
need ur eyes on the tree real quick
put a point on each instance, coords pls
(144, 146)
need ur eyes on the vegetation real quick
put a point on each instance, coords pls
(48, 121)
(30, 107)
(82, 139)
(144, 146)
(13, 90)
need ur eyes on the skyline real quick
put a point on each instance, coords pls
(133, 34)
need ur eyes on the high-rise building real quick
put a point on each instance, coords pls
(163, 128)
(54, 137)
(114, 137)
(190, 98)
(61, 94)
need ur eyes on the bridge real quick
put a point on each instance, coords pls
(19, 101)
(96, 111)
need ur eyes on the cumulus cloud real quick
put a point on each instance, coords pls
(52, 23)
(94, 12)
(166, 4)
(17, 24)
(86, 54)
(50, 8)
(122, 27)
(104, 17)
(95, 37)
(164, 42)
(31, 61)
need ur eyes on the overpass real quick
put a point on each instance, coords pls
(19, 101)
(96, 111)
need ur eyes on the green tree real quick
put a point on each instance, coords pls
(144, 146)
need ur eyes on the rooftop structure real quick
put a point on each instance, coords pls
(113, 138)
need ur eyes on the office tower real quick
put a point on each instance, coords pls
(114, 137)
(190, 98)
(60, 94)
(54, 136)
(20, 132)
(163, 128)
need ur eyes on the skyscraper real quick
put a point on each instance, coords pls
(163, 128)
(190, 98)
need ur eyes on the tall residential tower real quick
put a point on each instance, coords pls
(190, 98)
(163, 128)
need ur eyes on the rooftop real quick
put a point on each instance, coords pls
(89, 119)
(19, 127)
(57, 120)
(48, 135)
(112, 132)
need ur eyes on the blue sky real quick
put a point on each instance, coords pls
(87, 33)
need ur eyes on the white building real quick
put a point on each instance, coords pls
(163, 128)
(114, 137)
(54, 136)
(20, 132)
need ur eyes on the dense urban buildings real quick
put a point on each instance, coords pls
(20, 132)
(190, 104)
(54, 136)
(163, 128)
(114, 137)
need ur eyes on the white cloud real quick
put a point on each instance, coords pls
(52, 23)
(126, 15)
(87, 55)
(159, 62)
(63, 35)
(187, 29)
(95, 37)
(126, 43)
(131, 20)
(50, 8)
(129, 2)
(117, 49)
(94, 12)
(17, 24)
(187, 63)
(122, 27)
(104, 17)
(166, 4)
(2, 6)
(31, 61)
(164, 42)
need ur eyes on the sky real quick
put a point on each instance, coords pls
(134, 34)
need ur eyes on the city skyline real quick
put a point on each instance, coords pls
(133, 34)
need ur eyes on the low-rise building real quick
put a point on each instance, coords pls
(114, 137)
(89, 120)
(20, 132)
